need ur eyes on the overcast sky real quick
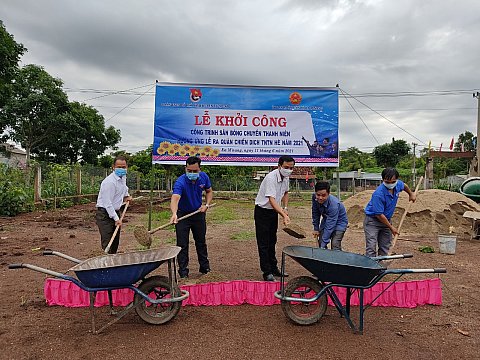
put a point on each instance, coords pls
(415, 62)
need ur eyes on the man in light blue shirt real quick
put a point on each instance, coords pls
(377, 225)
(333, 216)
(113, 193)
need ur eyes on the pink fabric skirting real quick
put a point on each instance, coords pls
(406, 294)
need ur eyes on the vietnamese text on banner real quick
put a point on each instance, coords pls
(241, 125)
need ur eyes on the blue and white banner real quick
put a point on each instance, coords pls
(245, 125)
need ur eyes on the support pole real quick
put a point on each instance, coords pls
(37, 184)
(477, 95)
(414, 171)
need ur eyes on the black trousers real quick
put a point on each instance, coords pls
(266, 225)
(197, 224)
(106, 226)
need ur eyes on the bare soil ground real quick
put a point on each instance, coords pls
(29, 329)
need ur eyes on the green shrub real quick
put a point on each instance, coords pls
(14, 198)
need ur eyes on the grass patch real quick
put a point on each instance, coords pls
(162, 216)
(297, 202)
(222, 214)
(243, 235)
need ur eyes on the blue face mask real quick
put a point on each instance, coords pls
(192, 176)
(120, 172)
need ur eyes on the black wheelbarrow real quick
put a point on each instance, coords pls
(304, 299)
(157, 299)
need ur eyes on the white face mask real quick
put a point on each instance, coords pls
(390, 186)
(285, 172)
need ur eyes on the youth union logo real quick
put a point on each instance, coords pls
(195, 95)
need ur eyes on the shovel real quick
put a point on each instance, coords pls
(107, 249)
(295, 231)
(395, 238)
(144, 237)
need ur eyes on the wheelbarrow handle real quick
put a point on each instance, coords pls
(42, 270)
(15, 266)
(391, 257)
(64, 256)
(414, 271)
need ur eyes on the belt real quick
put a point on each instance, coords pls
(262, 208)
(103, 209)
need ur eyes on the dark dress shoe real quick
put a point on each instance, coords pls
(277, 272)
(205, 271)
(268, 277)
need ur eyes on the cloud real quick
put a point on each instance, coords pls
(365, 46)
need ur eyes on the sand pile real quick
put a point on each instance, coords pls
(434, 212)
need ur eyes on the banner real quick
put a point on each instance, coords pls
(240, 125)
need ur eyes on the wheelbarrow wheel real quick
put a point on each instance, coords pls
(157, 287)
(304, 313)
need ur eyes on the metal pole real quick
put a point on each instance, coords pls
(150, 208)
(414, 169)
(477, 95)
(338, 185)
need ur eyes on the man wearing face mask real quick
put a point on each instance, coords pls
(268, 204)
(113, 194)
(379, 211)
(187, 198)
(329, 217)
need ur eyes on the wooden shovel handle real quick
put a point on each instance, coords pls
(107, 249)
(179, 219)
(404, 215)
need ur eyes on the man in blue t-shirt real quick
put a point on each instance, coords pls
(379, 211)
(187, 198)
(333, 216)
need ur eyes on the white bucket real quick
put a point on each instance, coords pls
(447, 243)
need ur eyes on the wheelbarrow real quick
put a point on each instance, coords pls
(304, 299)
(157, 299)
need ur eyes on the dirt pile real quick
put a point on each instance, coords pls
(434, 212)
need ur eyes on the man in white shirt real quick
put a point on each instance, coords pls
(272, 193)
(113, 193)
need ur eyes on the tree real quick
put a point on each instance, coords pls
(40, 118)
(31, 113)
(388, 155)
(10, 52)
(467, 140)
(105, 161)
(353, 159)
(83, 136)
(142, 160)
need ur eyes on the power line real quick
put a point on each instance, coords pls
(109, 92)
(383, 116)
(415, 93)
(130, 103)
(361, 119)
(419, 109)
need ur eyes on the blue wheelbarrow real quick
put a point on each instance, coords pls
(304, 299)
(157, 299)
